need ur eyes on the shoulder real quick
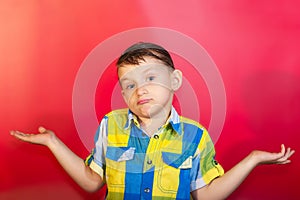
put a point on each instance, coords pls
(120, 115)
(118, 112)
(117, 117)
(191, 122)
(194, 131)
(113, 119)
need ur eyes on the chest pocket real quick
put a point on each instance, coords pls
(174, 173)
(116, 158)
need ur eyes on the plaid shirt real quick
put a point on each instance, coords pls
(176, 160)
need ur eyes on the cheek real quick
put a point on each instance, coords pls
(124, 96)
(128, 97)
(164, 83)
(160, 88)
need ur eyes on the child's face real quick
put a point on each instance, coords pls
(148, 87)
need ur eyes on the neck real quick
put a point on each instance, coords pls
(151, 125)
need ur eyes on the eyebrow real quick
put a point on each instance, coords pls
(149, 70)
(123, 79)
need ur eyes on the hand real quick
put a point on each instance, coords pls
(44, 137)
(282, 157)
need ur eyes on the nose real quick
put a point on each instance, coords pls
(141, 90)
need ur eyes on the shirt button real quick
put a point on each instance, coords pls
(149, 162)
(147, 190)
(156, 136)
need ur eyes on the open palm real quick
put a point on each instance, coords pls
(43, 137)
(281, 157)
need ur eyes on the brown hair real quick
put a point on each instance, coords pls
(137, 52)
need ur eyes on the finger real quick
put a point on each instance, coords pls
(42, 129)
(282, 149)
(282, 153)
(284, 157)
(17, 133)
(12, 132)
(22, 136)
(284, 162)
(278, 156)
(287, 155)
(290, 153)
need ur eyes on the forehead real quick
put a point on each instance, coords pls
(147, 66)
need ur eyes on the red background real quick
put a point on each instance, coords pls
(255, 45)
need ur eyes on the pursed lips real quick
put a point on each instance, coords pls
(143, 101)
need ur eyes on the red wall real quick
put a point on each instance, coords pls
(253, 44)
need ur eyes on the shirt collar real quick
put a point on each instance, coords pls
(173, 120)
(131, 118)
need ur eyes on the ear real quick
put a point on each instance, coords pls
(176, 79)
(124, 96)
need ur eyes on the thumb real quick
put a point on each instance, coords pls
(42, 129)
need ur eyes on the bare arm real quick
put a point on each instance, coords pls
(222, 187)
(73, 165)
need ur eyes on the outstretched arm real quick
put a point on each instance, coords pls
(222, 187)
(73, 165)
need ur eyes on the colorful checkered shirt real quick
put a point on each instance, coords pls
(176, 160)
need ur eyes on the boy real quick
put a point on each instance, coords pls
(148, 151)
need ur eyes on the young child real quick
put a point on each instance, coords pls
(148, 151)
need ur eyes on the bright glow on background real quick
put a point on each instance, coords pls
(254, 44)
(91, 70)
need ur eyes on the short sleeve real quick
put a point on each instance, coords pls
(204, 168)
(96, 160)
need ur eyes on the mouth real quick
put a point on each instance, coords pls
(143, 101)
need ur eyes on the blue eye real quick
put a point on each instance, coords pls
(151, 78)
(130, 86)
